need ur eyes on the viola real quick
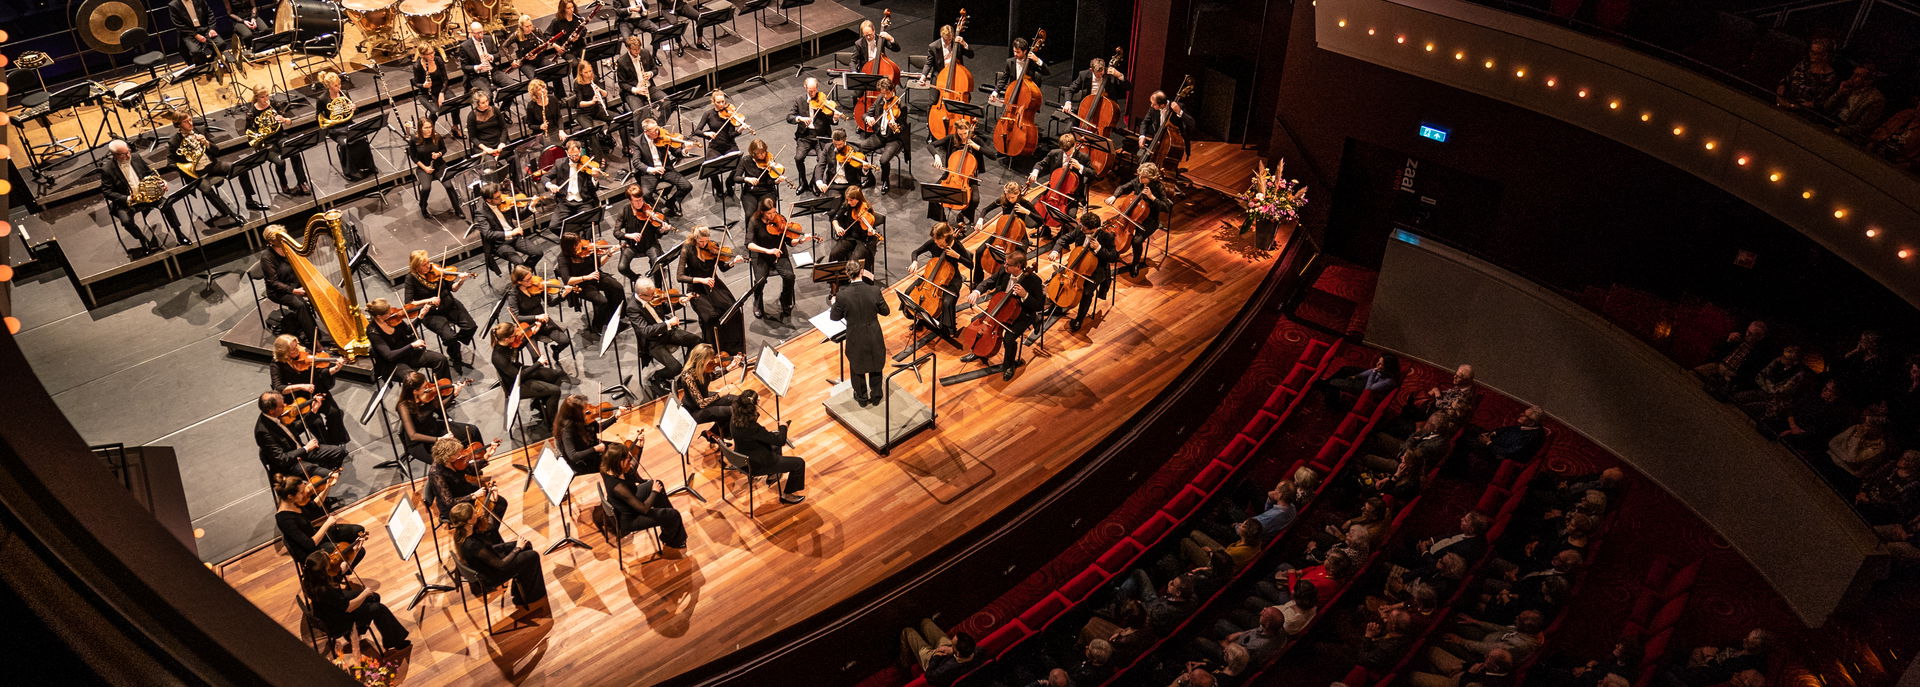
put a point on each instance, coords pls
(602, 413)
(1015, 133)
(548, 285)
(776, 224)
(437, 273)
(473, 455)
(439, 390)
(1097, 113)
(955, 82)
(820, 103)
(863, 216)
(773, 170)
(1074, 274)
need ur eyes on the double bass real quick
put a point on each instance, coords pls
(883, 66)
(1169, 138)
(1098, 113)
(1015, 134)
(955, 82)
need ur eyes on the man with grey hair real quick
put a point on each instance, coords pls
(812, 128)
(1518, 442)
(119, 176)
(658, 332)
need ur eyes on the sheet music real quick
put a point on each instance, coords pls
(677, 425)
(552, 474)
(801, 259)
(774, 370)
(513, 402)
(828, 326)
(613, 328)
(405, 528)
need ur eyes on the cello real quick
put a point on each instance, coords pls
(1097, 113)
(882, 65)
(962, 167)
(1069, 282)
(1129, 212)
(939, 277)
(1015, 134)
(1062, 185)
(1004, 233)
(982, 336)
(955, 82)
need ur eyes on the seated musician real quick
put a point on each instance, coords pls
(296, 375)
(702, 259)
(701, 399)
(580, 268)
(757, 175)
(718, 126)
(1160, 112)
(487, 125)
(658, 333)
(768, 242)
(944, 242)
(198, 38)
(812, 129)
(591, 106)
(1093, 234)
(855, 229)
(575, 438)
(566, 30)
(423, 417)
(1146, 182)
(476, 534)
(251, 19)
(639, 502)
(193, 153)
(841, 165)
(639, 232)
(522, 41)
(430, 79)
(958, 138)
(1027, 219)
(304, 524)
(356, 154)
(542, 113)
(481, 56)
(1069, 154)
(263, 106)
(282, 448)
(119, 177)
(765, 450)
(1113, 85)
(640, 17)
(459, 476)
(1026, 286)
(887, 130)
(540, 383)
(284, 288)
(501, 234)
(574, 183)
(344, 606)
(425, 149)
(690, 9)
(435, 287)
(653, 162)
(528, 302)
(633, 73)
(397, 345)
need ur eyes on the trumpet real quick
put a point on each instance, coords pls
(339, 111)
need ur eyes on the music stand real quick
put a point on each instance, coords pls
(663, 33)
(860, 81)
(406, 528)
(711, 168)
(708, 20)
(674, 100)
(814, 208)
(556, 479)
(606, 341)
(801, 22)
(775, 371)
(963, 108)
(759, 51)
(678, 426)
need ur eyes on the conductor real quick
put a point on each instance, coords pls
(860, 306)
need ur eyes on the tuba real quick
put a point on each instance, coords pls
(194, 149)
(152, 188)
(264, 125)
(341, 313)
(339, 111)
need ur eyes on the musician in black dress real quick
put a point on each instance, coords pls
(702, 259)
(575, 185)
(430, 78)
(343, 606)
(659, 334)
(639, 502)
(398, 346)
(698, 395)
(1146, 182)
(566, 30)
(521, 43)
(192, 152)
(1026, 286)
(541, 113)
(860, 306)
(721, 125)
(633, 73)
(481, 58)
(434, 286)
(283, 448)
(487, 128)
(460, 478)
(959, 137)
(812, 128)
(655, 164)
(769, 238)
(501, 232)
(261, 105)
(119, 175)
(315, 384)
(540, 383)
(283, 287)
(194, 21)
(759, 180)
(423, 418)
(529, 301)
(305, 526)
(855, 229)
(425, 149)
(580, 268)
(944, 242)
(887, 131)
(356, 154)
(495, 560)
(765, 450)
(591, 104)
(1089, 232)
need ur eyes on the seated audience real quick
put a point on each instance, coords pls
(1261, 641)
(1892, 493)
(1735, 358)
(1856, 105)
(1898, 139)
(1457, 397)
(1862, 448)
(1776, 385)
(1811, 81)
(1712, 665)
(1493, 670)
(1809, 423)
(943, 659)
(1249, 537)
(1867, 372)
(1384, 641)
(1518, 442)
(1379, 379)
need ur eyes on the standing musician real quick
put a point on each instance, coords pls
(701, 261)
(697, 395)
(654, 160)
(314, 383)
(458, 474)
(886, 123)
(487, 127)
(528, 303)
(947, 50)
(860, 306)
(430, 77)
(356, 155)
(1146, 182)
(261, 107)
(539, 382)
(1014, 278)
(573, 183)
(194, 21)
(1069, 155)
(590, 104)
(398, 346)
(343, 606)
(841, 165)
(960, 137)
(282, 449)
(119, 176)
(640, 229)
(580, 260)
(719, 126)
(481, 57)
(1089, 232)
(813, 117)
(944, 242)
(424, 149)
(501, 235)
(855, 230)
(423, 417)
(542, 113)
(434, 286)
(1114, 84)
(521, 42)
(283, 285)
(633, 72)
(192, 149)
(1162, 111)
(565, 30)
(871, 44)
(769, 235)
(759, 176)
(639, 502)
(1022, 64)
(658, 331)
(495, 560)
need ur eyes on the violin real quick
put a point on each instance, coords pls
(507, 203)
(773, 170)
(439, 390)
(723, 361)
(603, 413)
(778, 225)
(522, 333)
(710, 249)
(668, 139)
(863, 215)
(440, 273)
(589, 165)
(401, 313)
(302, 361)
(732, 115)
(297, 410)
(549, 285)
(820, 103)
(587, 249)
(851, 157)
(473, 455)
(659, 297)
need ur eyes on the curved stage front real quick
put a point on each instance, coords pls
(868, 518)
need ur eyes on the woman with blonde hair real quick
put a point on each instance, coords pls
(700, 397)
(314, 382)
(356, 156)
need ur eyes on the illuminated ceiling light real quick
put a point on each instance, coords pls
(1343, 23)
(1370, 31)
(1807, 194)
(1488, 64)
(1839, 213)
(1582, 93)
(1742, 161)
(1873, 232)
(1679, 130)
(1519, 73)
(1613, 105)
(13, 325)
(1774, 177)
(1430, 47)
(1711, 145)
(1400, 39)
(1646, 116)
(1551, 82)
(1904, 254)
(6, 272)
(1460, 55)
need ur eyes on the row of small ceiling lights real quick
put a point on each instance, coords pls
(1744, 160)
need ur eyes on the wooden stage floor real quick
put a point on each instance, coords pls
(866, 516)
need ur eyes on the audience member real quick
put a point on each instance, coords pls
(1095, 665)
(1458, 397)
(1892, 493)
(1775, 385)
(942, 658)
(1261, 641)
(1810, 422)
(1163, 609)
(1857, 104)
(1862, 448)
(1468, 543)
(1898, 139)
(1379, 379)
(1518, 442)
(1902, 540)
(1493, 670)
(1711, 665)
(1470, 638)
(1903, 406)
(1809, 83)
(1383, 642)
(1734, 359)
(1249, 538)
(1867, 372)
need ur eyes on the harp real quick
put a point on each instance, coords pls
(339, 312)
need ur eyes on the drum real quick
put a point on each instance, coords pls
(374, 17)
(316, 25)
(426, 17)
(480, 10)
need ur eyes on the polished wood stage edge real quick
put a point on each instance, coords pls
(866, 516)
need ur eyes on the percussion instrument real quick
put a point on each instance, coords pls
(480, 10)
(317, 26)
(426, 17)
(374, 17)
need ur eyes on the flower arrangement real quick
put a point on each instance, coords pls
(370, 671)
(1272, 197)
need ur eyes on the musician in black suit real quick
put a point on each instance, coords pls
(1026, 286)
(659, 333)
(639, 17)
(481, 57)
(887, 131)
(1146, 182)
(1068, 154)
(119, 176)
(194, 21)
(812, 126)
(282, 449)
(1113, 84)
(633, 73)
(575, 188)
(948, 49)
(655, 164)
(860, 306)
(871, 44)
(836, 173)
(261, 105)
(501, 235)
(283, 286)
(1160, 111)
(1091, 233)
(1023, 64)
(251, 18)
(205, 165)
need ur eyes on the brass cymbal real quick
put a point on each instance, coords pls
(101, 22)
